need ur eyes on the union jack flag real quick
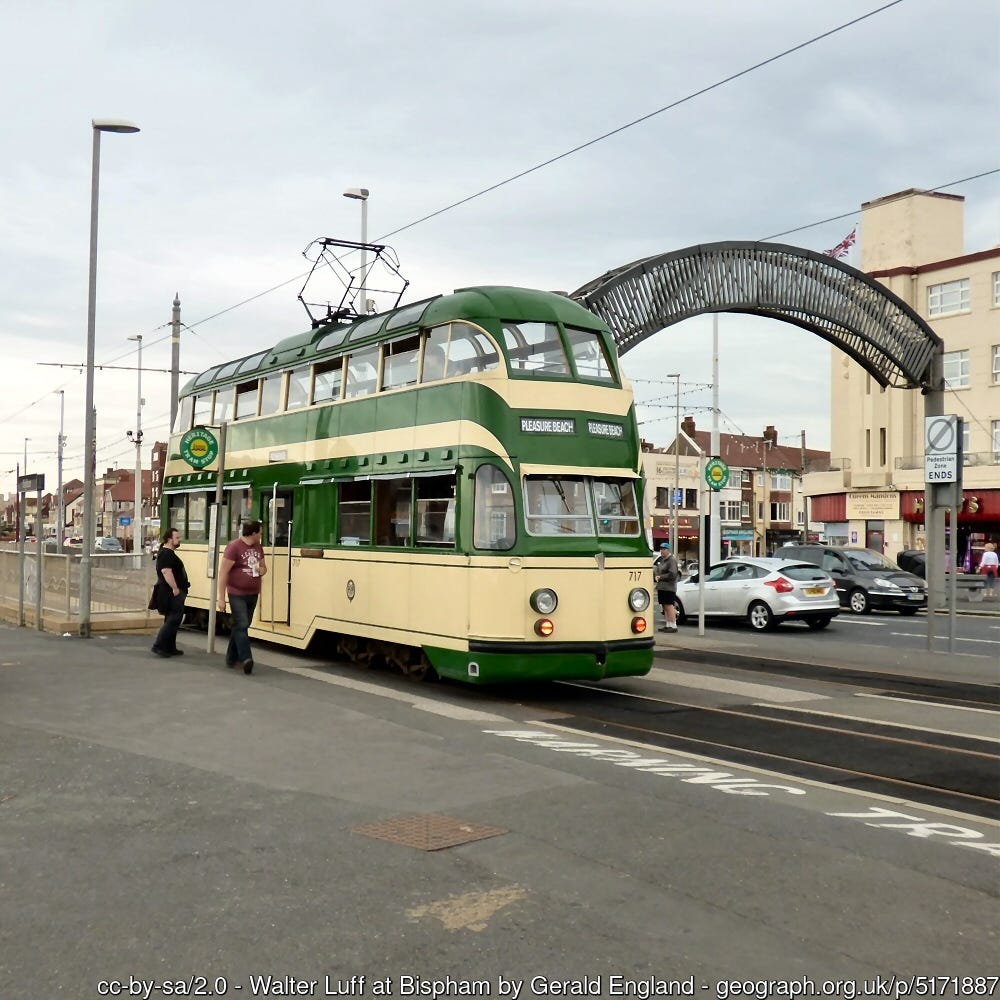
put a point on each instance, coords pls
(843, 248)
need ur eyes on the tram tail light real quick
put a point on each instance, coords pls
(544, 627)
(638, 626)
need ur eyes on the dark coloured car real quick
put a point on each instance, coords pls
(913, 561)
(865, 579)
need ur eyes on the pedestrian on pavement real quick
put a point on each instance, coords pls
(665, 573)
(989, 566)
(240, 576)
(172, 587)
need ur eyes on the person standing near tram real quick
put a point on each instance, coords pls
(240, 577)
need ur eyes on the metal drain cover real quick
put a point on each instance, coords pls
(427, 832)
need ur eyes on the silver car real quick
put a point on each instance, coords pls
(764, 591)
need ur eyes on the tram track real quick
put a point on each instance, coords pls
(942, 769)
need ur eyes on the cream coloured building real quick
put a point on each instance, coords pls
(913, 243)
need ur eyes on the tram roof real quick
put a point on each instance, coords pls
(485, 302)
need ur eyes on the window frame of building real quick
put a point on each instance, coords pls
(996, 288)
(958, 363)
(996, 363)
(882, 447)
(729, 510)
(966, 437)
(949, 297)
(995, 427)
(781, 511)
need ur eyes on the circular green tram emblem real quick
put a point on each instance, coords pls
(199, 448)
(716, 473)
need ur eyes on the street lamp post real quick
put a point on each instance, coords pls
(24, 471)
(674, 501)
(137, 537)
(361, 194)
(61, 506)
(98, 125)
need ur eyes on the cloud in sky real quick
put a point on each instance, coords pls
(255, 120)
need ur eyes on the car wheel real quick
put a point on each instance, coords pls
(858, 602)
(907, 612)
(681, 616)
(817, 623)
(760, 617)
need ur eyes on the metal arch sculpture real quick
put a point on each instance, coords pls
(836, 302)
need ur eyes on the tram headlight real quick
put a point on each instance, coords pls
(638, 599)
(544, 601)
(544, 627)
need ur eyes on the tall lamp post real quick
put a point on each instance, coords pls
(98, 125)
(674, 501)
(61, 507)
(361, 194)
(24, 472)
(137, 537)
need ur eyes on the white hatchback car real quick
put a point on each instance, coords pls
(764, 591)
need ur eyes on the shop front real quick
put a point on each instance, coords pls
(978, 523)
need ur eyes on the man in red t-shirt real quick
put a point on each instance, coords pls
(240, 578)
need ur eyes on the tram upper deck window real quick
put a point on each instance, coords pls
(557, 505)
(327, 380)
(362, 373)
(617, 510)
(270, 394)
(367, 328)
(252, 363)
(202, 414)
(589, 355)
(246, 399)
(227, 371)
(458, 349)
(400, 362)
(184, 412)
(536, 348)
(298, 388)
(407, 315)
(224, 404)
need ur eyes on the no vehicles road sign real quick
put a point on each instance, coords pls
(942, 448)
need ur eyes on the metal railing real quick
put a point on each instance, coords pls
(118, 586)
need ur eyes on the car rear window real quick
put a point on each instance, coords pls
(803, 571)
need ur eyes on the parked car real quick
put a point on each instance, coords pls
(73, 542)
(913, 561)
(865, 578)
(108, 544)
(765, 591)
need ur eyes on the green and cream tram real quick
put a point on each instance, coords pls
(455, 484)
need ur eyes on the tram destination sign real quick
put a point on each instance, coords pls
(943, 448)
(548, 425)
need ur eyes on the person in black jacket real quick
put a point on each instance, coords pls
(172, 581)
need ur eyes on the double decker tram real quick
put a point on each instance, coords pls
(455, 484)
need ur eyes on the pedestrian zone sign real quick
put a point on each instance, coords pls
(942, 448)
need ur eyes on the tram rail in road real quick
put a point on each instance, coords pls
(947, 770)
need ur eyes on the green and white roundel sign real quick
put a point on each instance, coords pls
(199, 448)
(717, 473)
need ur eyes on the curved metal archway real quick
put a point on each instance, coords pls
(836, 302)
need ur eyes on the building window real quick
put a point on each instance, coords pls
(729, 510)
(956, 369)
(881, 447)
(744, 510)
(996, 364)
(996, 288)
(663, 497)
(782, 481)
(868, 449)
(746, 476)
(966, 429)
(996, 440)
(949, 297)
(781, 511)
(800, 517)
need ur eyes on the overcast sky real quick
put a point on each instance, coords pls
(256, 117)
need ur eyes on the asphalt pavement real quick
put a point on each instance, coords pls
(171, 827)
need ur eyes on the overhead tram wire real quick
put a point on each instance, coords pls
(580, 147)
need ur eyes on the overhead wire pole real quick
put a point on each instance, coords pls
(674, 500)
(175, 356)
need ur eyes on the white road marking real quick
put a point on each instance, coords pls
(421, 704)
(883, 722)
(958, 638)
(935, 704)
(765, 692)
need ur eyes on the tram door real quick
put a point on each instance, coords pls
(275, 595)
